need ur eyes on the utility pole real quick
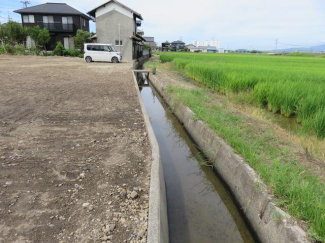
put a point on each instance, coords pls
(119, 35)
(25, 3)
(276, 45)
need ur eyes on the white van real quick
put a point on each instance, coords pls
(101, 52)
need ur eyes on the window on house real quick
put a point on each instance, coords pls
(48, 19)
(28, 19)
(67, 23)
(84, 22)
(67, 20)
(118, 44)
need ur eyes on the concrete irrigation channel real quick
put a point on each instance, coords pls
(227, 204)
(200, 208)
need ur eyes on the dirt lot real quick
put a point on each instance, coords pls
(74, 155)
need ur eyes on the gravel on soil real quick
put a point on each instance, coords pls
(74, 154)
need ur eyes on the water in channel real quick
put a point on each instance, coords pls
(200, 209)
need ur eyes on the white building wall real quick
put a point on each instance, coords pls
(207, 43)
(113, 6)
(114, 22)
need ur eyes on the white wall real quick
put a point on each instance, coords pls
(195, 49)
(113, 6)
(207, 43)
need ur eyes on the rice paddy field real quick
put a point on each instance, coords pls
(291, 85)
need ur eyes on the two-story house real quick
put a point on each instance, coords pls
(117, 24)
(177, 45)
(150, 41)
(60, 19)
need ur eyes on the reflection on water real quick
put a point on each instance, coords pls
(199, 207)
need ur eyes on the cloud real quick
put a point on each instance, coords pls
(236, 23)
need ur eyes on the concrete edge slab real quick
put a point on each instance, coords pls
(158, 218)
(270, 223)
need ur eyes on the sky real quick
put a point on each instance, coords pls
(248, 24)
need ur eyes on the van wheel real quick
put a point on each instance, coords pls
(115, 60)
(88, 59)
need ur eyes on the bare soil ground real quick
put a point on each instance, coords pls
(74, 155)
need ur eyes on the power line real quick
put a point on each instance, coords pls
(8, 5)
(287, 44)
(276, 44)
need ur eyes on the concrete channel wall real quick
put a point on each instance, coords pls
(270, 223)
(158, 219)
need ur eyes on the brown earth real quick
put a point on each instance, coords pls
(74, 155)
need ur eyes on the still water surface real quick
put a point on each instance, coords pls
(200, 209)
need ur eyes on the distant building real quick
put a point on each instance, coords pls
(207, 43)
(178, 45)
(117, 24)
(150, 41)
(242, 51)
(165, 46)
(221, 50)
(205, 49)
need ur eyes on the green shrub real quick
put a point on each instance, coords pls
(8, 49)
(59, 49)
(2, 50)
(81, 38)
(33, 51)
(19, 50)
(154, 70)
(74, 53)
(48, 54)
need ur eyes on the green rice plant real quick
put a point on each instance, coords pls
(260, 93)
(290, 85)
(181, 63)
(319, 123)
(166, 58)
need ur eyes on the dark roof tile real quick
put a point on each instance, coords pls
(52, 8)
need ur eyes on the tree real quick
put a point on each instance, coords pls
(40, 36)
(44, 37)
(3, 33)
(59, 49)
(81, 38)
(146, 46)
(15, 32)
(34, 33)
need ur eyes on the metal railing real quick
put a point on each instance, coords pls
(58, 27)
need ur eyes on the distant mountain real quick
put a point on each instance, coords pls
(313, 48)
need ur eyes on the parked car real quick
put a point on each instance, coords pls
(97, 52)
